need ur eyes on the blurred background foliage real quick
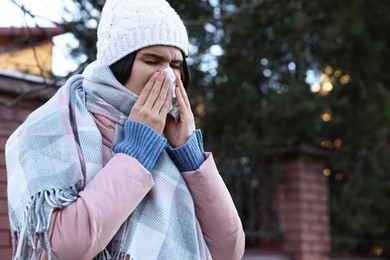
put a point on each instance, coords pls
(268, 75)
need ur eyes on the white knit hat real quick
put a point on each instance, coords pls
(129, 25)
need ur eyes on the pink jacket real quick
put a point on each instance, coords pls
(84, 228)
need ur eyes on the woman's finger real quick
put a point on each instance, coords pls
(155, 91)
(167, 103)
(182, 97)
(146, 90)
(162, 96)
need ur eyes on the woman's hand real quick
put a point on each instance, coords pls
(178, 132)
(153, 103)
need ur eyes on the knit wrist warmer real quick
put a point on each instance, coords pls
(141, 142)
(189, 156)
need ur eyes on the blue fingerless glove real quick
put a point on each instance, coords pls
(189, 156)
(141, 142)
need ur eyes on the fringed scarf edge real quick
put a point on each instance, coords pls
(33, 237)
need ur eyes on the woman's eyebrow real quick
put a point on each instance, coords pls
(152, 55)
(157, 57)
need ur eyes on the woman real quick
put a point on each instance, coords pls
(112, 166)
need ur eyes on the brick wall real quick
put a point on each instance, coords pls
(10, 119)
(303, 207)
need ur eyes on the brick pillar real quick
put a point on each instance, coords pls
(10, 119)
(303, 204)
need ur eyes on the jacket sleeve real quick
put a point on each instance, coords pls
(84, 228)
(216, 212)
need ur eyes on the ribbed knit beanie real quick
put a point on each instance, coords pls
(129, 25)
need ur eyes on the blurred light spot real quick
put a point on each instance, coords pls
(291, 66)
(216, 50)
(339, 176)
(326, 82)
(328, 70)
(326, 117)
(327, 87)
(378, 251)
(324, 77)
(267, 73)
(264, 61)
(345, 79)
(315, 87)
(210, 28)
(201, 110)
(337, 143)
(326, 172)
(337, 73)
(311, 77)
(244, 160)
(327, 144)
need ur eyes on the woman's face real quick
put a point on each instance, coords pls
(149, 60)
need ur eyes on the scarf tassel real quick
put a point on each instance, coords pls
(105, 255)
(33, 238)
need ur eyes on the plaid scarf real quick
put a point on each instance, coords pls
(58, 150)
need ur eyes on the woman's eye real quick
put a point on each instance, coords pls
(176, 65)
(150, 62)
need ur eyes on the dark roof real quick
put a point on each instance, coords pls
(18, 83)
(31, 31)
(22, 37)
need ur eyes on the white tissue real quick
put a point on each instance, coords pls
(174, 108)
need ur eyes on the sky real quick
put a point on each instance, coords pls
(12, 15)
(44, 11)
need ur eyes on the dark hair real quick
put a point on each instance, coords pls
(122, 69)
